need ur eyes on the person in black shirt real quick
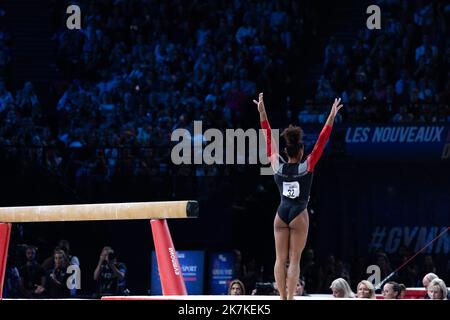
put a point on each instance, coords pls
(32, 276)
(56, 280)
(109, 274)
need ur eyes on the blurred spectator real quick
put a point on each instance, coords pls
(426, 45)
(32, 276)
(428, 265)
(11, 287)
(238, 268)
(252, 274)
(27, 101)
(6, 97)
(403, 115)
(382, 261)
(427, 280)
(56, 280)
(310, 271)
(308, 115)
(63, 245)
(404, 85)
(365, 290)
(341, 289)
(352, 94)
(391, 290)
(408, 274)
(236, 288)
(333, 269)
(437, 290)
(245, 33)
(423, 16)
(300, 289)
(325, 91)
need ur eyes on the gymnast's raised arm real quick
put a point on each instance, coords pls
(315, 155)
(272, 151)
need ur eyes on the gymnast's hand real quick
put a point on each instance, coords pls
(260, 103)
(336, 107)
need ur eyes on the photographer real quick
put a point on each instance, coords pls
(109, 274)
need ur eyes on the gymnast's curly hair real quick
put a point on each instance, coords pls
(293, 138)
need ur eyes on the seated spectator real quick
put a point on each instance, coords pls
(277, 17)
(391, 290)
(361, 78)
(437, 290)
(405, 84)
(11, 287)
(258, 51)
(27, 100)
(247, 86)
(423, 16)
(64, 246)
(352, 94)
(426, 282)
(56, 280)
(6, 97)
(325, 90)
(300, 289)
(429, 265)
(333, 51)
(403, 115)
(244, 32)
(426, 90)
(341, 289)
(382, 261)
(32, 276)
(311, 270)
(49, 263)
(308, 115)
(109, 274)
(236, 288)
(426, 44)
(378, 92)
(324, 115)
(365, 290)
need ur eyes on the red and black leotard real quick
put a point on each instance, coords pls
(294, 180)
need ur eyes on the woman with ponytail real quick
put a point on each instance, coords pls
(294, 179)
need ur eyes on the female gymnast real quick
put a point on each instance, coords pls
(293, 179)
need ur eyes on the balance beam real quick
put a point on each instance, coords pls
(97, 212)
(169, 268)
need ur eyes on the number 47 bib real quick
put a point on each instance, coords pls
(291, 189)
